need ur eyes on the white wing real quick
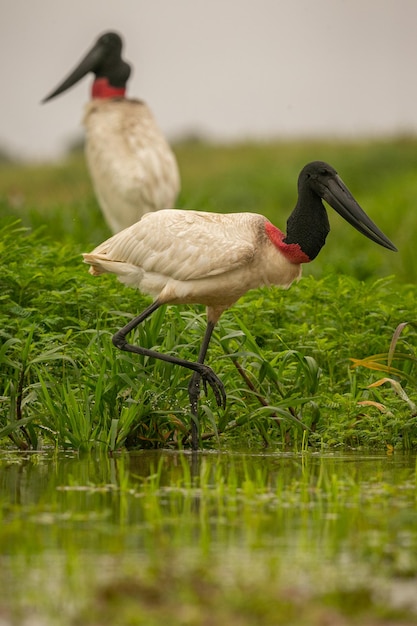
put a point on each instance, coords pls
(186, 245)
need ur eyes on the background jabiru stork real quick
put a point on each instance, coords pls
(133, 169)
(192, 257)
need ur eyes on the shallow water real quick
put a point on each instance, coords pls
(313, 521)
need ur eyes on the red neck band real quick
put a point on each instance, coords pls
(292, 251)
(102, 89)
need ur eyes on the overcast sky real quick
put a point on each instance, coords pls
(229, 69)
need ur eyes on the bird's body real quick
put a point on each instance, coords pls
(132, 166)
(133, 169)
(191, 257)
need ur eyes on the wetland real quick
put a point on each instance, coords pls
(301, 508)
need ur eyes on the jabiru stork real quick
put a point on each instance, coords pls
(133, 169)
(192, 257)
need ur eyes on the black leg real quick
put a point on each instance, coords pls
(200, 370)
(119, 338)
(194, 387)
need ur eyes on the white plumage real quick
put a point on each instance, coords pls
(191, 257)
(132, 167)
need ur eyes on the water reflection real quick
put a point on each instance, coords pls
(102, 503)
(310, 519)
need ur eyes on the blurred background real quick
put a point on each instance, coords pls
(222, 70)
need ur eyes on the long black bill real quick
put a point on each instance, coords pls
(88, 64)
(339, 197)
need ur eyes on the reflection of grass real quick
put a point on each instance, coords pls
(231, 538)
(283, 356)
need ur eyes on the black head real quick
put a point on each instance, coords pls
(104, 60)
(323, 180)
(314, 175)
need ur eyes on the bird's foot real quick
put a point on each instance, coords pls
(206, 374)
(119, 340)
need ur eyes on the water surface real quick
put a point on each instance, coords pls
(310, 521)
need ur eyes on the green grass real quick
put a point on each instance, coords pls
(285, 357)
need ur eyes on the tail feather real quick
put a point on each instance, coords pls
(101, 264)
(97, 267)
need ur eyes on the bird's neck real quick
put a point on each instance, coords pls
(102, 89)
(308, 224)
(291, 251)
